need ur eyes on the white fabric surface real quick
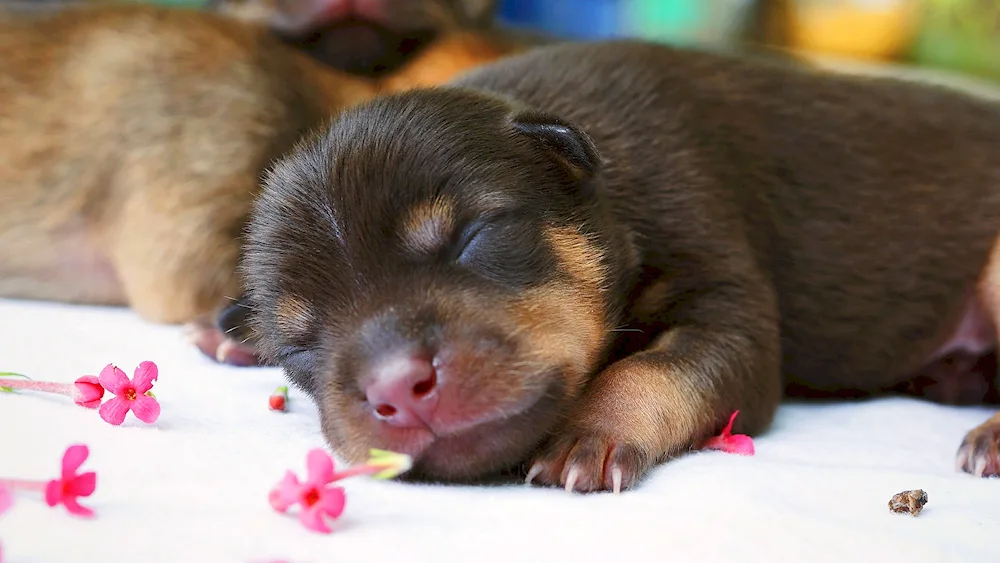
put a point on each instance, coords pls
(193, 487)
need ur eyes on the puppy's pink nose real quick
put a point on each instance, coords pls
(404, 391)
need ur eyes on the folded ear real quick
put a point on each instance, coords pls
(567, 144)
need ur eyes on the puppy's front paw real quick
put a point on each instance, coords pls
(979, 453)
(219, 346)
(589, 462)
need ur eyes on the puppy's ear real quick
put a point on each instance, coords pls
(567, 144)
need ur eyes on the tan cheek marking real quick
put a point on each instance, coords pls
(565, 321)
(428, 226)
(293, 317)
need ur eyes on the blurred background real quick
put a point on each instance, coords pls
(961, 35)
(956, 35)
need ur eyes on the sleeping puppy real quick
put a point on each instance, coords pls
(132, 139)
(364, 37)
(588, 256)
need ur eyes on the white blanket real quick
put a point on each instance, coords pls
(193, 486)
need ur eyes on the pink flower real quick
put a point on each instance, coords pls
(89, 392)
(130, 394)
(316, 497)
(728, 442)
(70, 485)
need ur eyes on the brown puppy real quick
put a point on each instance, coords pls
(589, 256)
(365, 37)
(131, 144)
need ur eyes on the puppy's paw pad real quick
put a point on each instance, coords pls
(216, 345)
(589, 464)
(979, 453)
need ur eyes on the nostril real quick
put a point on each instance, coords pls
(385, 410)
(424, 387)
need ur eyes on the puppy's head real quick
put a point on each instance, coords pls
(360, 36)
(438, 269)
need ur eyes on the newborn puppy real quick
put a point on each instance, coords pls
(132, 139)
(588, 256)
(365, 37)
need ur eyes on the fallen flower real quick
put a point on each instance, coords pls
(317, 497)
(134, 394)
(68, 487)
(85, 391)
(728, 442)
(278, 400)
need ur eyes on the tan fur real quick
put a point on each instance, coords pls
(444, 59)
(427, 227)
(293, 316)
(131, 147)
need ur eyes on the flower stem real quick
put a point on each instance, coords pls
(362, 470)
(44, 386)
(23, 484)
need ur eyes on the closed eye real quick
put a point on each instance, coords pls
(470, 240)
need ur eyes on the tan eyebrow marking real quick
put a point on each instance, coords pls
(293, 316)
(428, 226)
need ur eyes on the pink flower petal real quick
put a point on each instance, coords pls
(144, 377)
(72, 460)
(114, 410)
(146, 408)
(285, 493)
(82, 485)
(114, 380)
(319, 467)
(6, 499)
(728, 442)
(332, 501)
(76, 509)
(53, 492)
(312, 518)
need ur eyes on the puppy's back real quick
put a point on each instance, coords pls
(872, 203)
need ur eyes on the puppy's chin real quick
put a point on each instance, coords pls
(488, 448)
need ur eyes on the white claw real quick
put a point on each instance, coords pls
(616, 480)
(571, 478)
(980, 466)
(222, 352)
(532, 473)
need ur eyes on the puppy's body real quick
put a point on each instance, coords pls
(449, 271)
(131, 144)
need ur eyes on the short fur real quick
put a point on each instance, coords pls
(132, 139)
(636, 242)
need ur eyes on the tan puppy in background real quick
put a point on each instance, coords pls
(132, 139)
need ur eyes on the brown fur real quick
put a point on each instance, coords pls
(132, 139)
(694, 231)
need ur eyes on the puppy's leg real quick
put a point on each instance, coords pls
(721, 356)
(979, 453)
(176, 248)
